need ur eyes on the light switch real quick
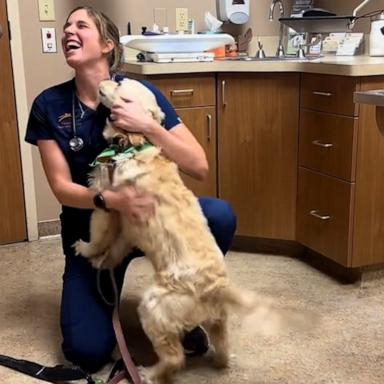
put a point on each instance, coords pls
(46, 10)
(181, 19)
(48, 38)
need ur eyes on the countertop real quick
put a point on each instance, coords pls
(333, 65)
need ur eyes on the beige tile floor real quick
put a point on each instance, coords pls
(346, 346)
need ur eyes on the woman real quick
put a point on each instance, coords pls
(66, 123)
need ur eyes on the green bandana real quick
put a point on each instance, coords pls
(114, 153)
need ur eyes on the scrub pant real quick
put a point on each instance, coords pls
(86, 320)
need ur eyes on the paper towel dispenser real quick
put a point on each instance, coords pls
(234, 11)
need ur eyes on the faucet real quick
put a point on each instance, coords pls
(280, 49)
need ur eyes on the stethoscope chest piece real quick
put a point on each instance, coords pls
(76, 143)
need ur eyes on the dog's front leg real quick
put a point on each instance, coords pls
(117, 251)
(104, 228)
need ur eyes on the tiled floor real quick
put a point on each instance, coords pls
(345, 345)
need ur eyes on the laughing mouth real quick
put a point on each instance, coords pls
(72, 45)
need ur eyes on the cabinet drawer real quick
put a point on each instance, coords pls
(329, 93)
(187, 91)
(324, 215)
(327, 143)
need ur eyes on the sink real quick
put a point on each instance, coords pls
(267, 58)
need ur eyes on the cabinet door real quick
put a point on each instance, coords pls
(13, 223)
(257, 151)
(368, 233)
(202, 123)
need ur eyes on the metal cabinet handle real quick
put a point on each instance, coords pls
(315, 213)
(182, 92)
(321, 144)
(224, 103)
(318, 93)
(209, 124)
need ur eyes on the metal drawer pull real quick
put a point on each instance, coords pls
(209, 121)
(318, 93)
(223, 93)
(315, 213)
(321, 144)
(182, 92)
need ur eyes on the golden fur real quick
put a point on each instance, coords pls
(191, 285)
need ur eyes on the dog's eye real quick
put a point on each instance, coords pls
(101, 93)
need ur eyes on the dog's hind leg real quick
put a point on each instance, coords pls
(171, 358)
(160, 313)
(218, 335)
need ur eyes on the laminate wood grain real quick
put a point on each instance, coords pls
(13, 221)
(324, 215)
(202, 123)
(187, 90)
(327, 143)
(329, 93)
(368, 239)
(257, 151)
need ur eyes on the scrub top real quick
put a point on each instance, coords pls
(51, 119)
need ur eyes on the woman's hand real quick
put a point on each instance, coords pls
(130, 116)
(136, 206)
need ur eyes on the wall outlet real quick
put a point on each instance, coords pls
(48, 38)
(46, 10)
(181, 19)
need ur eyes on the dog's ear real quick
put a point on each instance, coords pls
(157, 113)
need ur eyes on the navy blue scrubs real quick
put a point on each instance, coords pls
(86, 323)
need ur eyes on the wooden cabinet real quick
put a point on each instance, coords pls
(324, 214)
(368, 232)
(295, 157)
(257, 151)
(327, 143)
(340, 210)
(194, 98)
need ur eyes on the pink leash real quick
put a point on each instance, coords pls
(130, 371)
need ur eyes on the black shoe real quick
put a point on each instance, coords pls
(195, 342)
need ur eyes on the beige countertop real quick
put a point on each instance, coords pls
(333, 65)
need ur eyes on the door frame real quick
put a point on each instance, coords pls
(22, 111)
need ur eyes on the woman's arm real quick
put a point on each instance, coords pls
(178, 144)
(131, 203)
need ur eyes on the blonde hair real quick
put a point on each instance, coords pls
(108, 31)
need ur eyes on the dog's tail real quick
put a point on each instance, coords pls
(262, 314)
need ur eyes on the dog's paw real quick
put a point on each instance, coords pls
(223, 360)
(145, 375)
(81, 248)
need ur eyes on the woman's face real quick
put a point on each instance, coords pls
(81, 41)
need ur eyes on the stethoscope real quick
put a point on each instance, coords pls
(76, 143)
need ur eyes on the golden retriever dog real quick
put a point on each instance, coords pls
(191, 286)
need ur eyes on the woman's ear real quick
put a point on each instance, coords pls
(108, 46)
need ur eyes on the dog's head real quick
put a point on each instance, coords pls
(129, 89)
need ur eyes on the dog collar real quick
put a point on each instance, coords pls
(114, 153)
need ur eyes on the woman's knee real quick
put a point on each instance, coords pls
(221, 220)
(89, 351)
